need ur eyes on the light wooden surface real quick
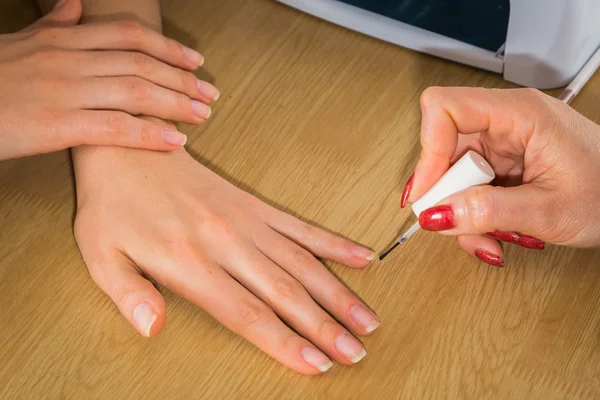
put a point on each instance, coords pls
(323, 122)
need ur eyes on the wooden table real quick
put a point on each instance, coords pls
(323, 122)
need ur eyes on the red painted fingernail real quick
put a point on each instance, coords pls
(489, 258)
(438, 218)
(529, 242)
(509, 237)
(406, 191)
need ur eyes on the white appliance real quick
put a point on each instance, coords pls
(547, 42)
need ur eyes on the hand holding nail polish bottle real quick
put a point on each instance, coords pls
(546, 159)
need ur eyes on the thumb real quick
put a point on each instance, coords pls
(496, 211)
(137, 299)
(65, 13)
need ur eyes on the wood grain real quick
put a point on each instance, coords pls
(324, 123)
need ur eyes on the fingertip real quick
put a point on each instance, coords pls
(149, 318)
(316, 360)
(174, 138)
(489, 257)
(483, 248)
(361, 257)
(407, 190)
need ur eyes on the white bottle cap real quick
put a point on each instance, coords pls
(470, 170)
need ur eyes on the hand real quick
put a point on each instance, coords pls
(164, 217)
(547, 161)
(57, 90)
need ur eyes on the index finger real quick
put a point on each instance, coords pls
(123, 35)
(446, 112)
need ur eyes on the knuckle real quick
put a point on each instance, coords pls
(335, 242)
(307, 229)
(286, 288)
(219, 224)
(327, 328)
(182, 248)
(58, 85)
(124, 290)
(46, 53)
(142, 62)
(146, 133)
(131, 32)
(303, 258)
(137, 89)
(116, 124)
(289, 343)
(173, 48)
(188, 80)
(253, 313)
(342, 299)
(431, 96)
(182, 102)
(480, 209)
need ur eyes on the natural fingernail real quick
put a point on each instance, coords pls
(489, 258)
(438, 218)
(201, 109)
(144, 317)
(209, 91)
(174, 137)
(350, 348)
(362, 252)
(364, 318)
(406, 192)
(193, 56)
(317, 359)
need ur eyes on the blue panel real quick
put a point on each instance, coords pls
(482, 23)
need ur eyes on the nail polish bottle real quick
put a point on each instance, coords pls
(470, 170)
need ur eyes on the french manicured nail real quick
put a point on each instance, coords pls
(362, 252)
(207, 90)
(529, 242)
(144, 317)
(200, 109)
(406, 191)
(174, 137)
(193, 56)
(438, 218)
(317, 359)
(490, 258)
(350, 348)
(364, 318)
(59, 5)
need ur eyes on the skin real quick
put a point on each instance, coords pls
(148, 217)
(546, 157)
(101, 92)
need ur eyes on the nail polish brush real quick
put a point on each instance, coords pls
(470, 170)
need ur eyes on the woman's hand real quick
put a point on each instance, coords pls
(547, 161)
(164, 217)
(63, 85)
